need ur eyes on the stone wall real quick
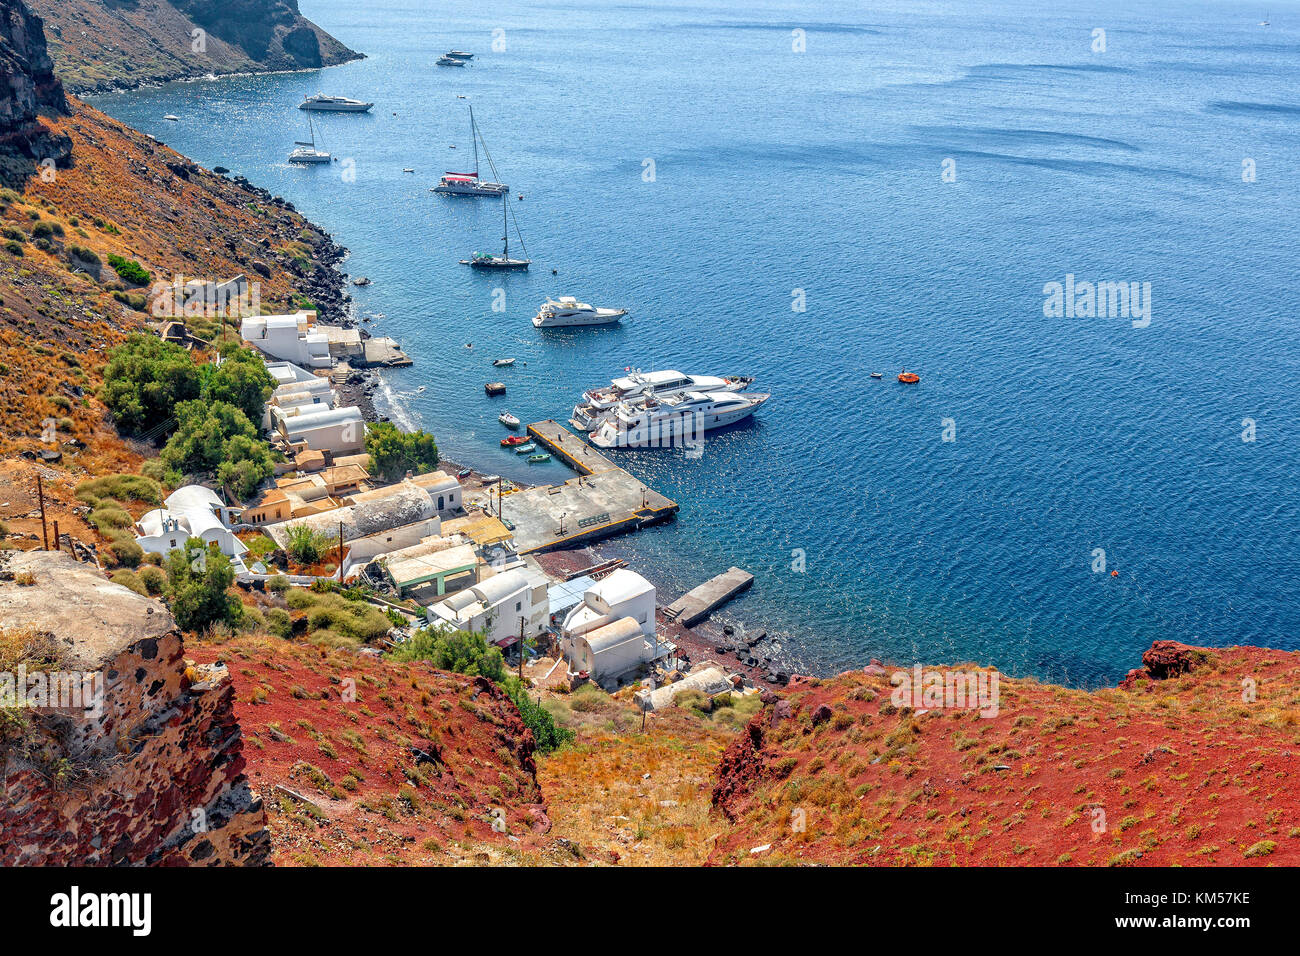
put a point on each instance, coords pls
(156, 778)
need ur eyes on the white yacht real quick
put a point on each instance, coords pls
(599, 403)
(451, 61)
(567, 311)
(334, 104)
(675, 420)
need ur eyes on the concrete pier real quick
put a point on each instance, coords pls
(702, 601)
(603, 500)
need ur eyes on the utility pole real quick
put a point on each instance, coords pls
(340, 552)
(521, 648)
(501, 502)
(56, 535)
(40, 496)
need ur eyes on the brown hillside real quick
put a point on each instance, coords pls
(100, 45)
(1182, 769)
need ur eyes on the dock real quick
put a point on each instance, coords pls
(700, 602)
(383, 351)
(603, 500)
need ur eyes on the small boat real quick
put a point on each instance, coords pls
(505, 418)
(361, 280)
(463, 474)
(408, 169)
(876, 375)
(495, 388)
(334, 104)
(909, 378)
(450, 61)
(502, 363)
(525, 449)
(490, 479)
(511, 440)
(172, 117)
(460, 55)
(421, 389)
(538, 459)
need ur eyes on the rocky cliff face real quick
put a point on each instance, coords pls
(28, 86)
(152, 773)
(99, 46)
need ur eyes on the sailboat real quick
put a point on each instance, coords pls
(305, 153)
(468, 184)
(482, 260)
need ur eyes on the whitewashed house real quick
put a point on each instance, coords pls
(293, 338)
(495, 606)
(612, 630)
(340, 431)
(190, 512)
(620, 594)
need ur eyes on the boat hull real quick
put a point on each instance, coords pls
(498, 189)
(599, 317)
(497, 263)
(670, 430)
(337, 108)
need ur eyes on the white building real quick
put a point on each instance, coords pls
(293, 338)
(495, 606)
(620, 594)
(341, 431)
(612, 630)
(190, 512)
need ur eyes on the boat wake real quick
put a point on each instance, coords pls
(396, 406)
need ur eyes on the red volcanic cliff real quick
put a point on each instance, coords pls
(1192, 761)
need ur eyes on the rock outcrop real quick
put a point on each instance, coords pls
(148, 772)
(100, 46)
(28, 86)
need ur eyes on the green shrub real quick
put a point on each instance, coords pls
(153, 578)
(277, 584)
(393, 452)
(144, 381)
(306, 545)
(129, 579)
(130, 270)
(14, 248)
(109, 516)
(200, 597)
(278, 622)
(121, 488)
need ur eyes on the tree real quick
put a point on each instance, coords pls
(144, 379)
(305, 545)
(198, 586)
(240, 380)
(218, 437)
(394, 452)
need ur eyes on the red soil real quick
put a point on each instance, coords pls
(414, 770)
(1191, 763)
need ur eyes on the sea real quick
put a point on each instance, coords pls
(810, 192)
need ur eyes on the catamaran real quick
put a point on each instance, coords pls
(655, 422)
(568, 311)
(334, 104)
(468, 184)
(599, 403)
(306, 153)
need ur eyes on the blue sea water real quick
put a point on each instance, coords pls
(821, 171)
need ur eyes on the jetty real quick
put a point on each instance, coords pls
(700, 602)
(603, 500)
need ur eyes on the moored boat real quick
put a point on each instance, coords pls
(526, 448)
(511, 440)
(908, 378)
(510, 421)
(538, 459)
(334, 104)
(598, 403)
(566, 311)
(655, 422)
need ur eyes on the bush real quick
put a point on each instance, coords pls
(464, 652)
(121, 488)
(279, 623)
(546, 732)
(145, 379)
(306, 545)
(122, 551)
(43, 230)
(109, 516)
(130, 270)
(277, 584)
(200, 598)
(333, 614)
(153, 578)
(393, 452)
(129, 579)
(218, 437)
(240, 380)
(14, 248)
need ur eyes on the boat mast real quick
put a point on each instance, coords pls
(473, 135)
(505, 225)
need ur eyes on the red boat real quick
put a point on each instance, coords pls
(513, 440)
(909, 378)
